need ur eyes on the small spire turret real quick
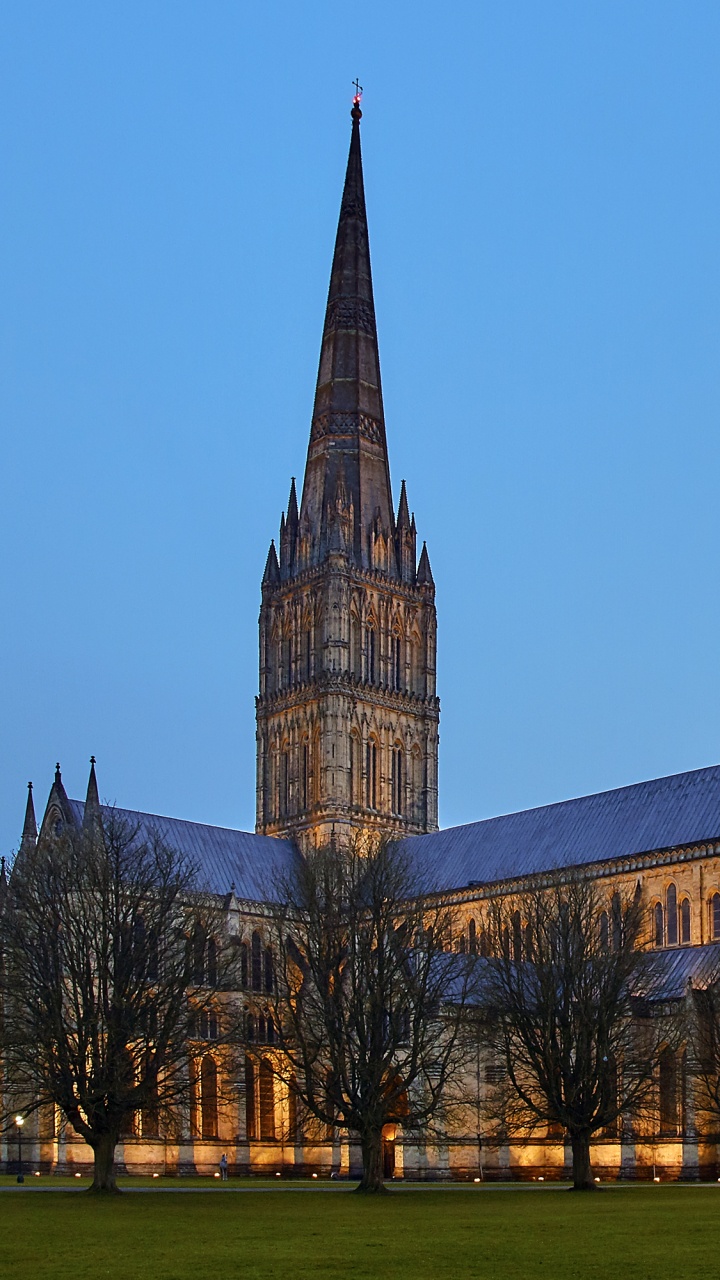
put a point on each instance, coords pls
(29, 831)
(271, 576)
(424, 573)
(92, 799)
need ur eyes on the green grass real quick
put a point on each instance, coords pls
(632, 1233)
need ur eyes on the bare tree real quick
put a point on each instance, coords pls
(577, 1049)
(368, 1007)
(110, 958)
(702, 1022)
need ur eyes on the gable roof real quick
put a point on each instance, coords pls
(682, 809)
(226, 859)
(650, 816)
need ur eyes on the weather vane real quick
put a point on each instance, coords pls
(358, 90)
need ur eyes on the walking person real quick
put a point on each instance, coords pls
(223, 1168)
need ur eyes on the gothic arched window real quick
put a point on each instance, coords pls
(668, 1093)
(715, 915)
(371, 653)
(685, 922)
(617, 921)
(284, 782)
(517, 936)
(211, 967)
(208, 1097)
(604, 930)
(355, 768)
(256, 977)
(267, 1101)
(269, 968)
(371, 774)
(250, 1121)
(398, 780)
(659, 924)
(396, 662)
(672, 916)
(305, 774)
(472, 936)
(355, 647)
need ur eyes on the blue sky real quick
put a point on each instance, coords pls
(543, 184)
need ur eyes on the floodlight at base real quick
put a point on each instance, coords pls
(216, 1175)
(478, 1179)
(597, 1179)
(656, 1179)
(156, 1175)
(78, 1175)
(541, 1179)
(314, 1175)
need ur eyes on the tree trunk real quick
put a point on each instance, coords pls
(372, 1158)
(582, 1169)
(104, 1169)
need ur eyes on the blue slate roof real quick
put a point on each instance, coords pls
(664, 975)
(679, 810)
(682, 809)
(225, 858)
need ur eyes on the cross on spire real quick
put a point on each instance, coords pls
(358, 89)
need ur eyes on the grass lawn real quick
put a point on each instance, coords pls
(632, 1233)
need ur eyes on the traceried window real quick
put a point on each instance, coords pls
(472, 936)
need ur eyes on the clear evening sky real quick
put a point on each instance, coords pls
(542, 184)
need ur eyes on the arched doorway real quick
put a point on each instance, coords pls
(388, 1150)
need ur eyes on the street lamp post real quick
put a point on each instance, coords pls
(20, 1120)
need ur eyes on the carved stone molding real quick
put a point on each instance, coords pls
(346, 424)
(350, 313)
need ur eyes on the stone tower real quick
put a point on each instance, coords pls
(347, 715)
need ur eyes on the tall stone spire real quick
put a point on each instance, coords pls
(347, 476)
(347, 712)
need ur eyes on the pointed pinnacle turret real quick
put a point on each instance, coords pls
(271, 575)
(424, 573)
(347, 438)
(29, 831)
(92, 799)
(292, 511)
(403, 515)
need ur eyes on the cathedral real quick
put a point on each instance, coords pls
(347, 719)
